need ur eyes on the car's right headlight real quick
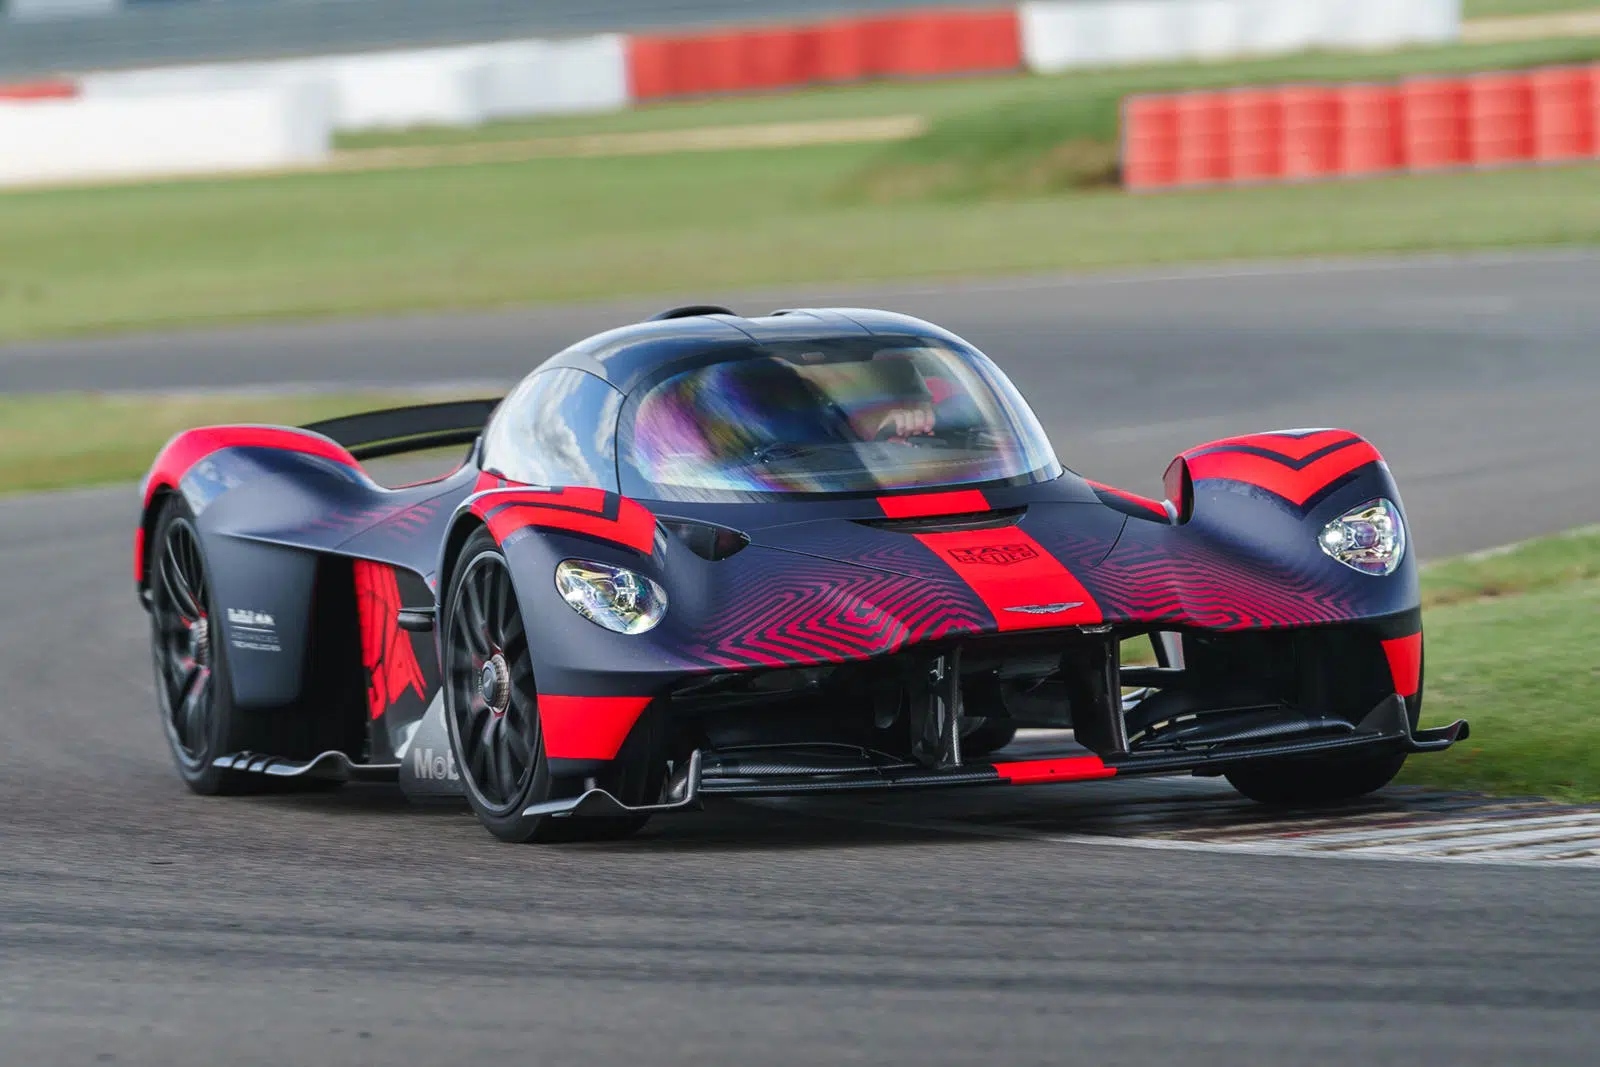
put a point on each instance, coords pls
(613, 597)
(1370, 538)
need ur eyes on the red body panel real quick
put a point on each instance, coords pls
(925, 505)
(1065, 769)
(1405, 663)
(587, 727)
(190, 447)
(1156, 508)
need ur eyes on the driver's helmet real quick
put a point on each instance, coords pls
(732, 408)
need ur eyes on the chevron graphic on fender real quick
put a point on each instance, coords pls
(1296, 465)
(586, 512)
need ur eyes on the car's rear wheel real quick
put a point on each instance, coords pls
(1311, 782)
(194, 689)
(492, 713)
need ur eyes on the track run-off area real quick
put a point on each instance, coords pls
(1125, 922)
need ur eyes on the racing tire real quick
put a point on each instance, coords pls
(491, 712)
(1314, 782)
(194, 688)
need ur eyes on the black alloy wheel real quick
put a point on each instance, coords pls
(491, 706)
(193, 689)
(183, 639)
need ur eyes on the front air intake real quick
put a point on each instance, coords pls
(706, 539)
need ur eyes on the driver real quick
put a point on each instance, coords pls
(894, 401)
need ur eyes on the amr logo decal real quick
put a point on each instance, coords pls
(391, 662)
(994, 555)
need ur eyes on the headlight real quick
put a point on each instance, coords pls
(613, 597)
(1371, 538)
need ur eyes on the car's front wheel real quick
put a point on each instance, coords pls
(492, 714)
(1311, 782)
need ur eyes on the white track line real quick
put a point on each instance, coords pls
(1578, 851)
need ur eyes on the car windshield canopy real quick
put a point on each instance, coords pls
(835, 416)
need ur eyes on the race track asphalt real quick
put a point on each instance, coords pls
(142, 925)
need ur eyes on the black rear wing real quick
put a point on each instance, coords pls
(411, 429)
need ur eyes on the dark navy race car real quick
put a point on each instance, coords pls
(817, 551)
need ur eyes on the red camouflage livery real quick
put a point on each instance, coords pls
(821, 551)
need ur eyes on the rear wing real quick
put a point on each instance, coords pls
(410, 429)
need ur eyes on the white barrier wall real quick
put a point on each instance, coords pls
(1062, 35)
(460, 86)
(161, 136)
(34, 10)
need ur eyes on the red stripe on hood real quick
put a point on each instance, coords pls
(1022, 584)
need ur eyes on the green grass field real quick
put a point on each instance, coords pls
(1477, 9)
(58, 441)
(1511, 647)
(988, 190)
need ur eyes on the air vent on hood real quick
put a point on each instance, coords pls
(706, 539)
(970, 520)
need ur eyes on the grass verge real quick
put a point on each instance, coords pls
(1519, 661)
(1478, 9)
(990, 189)
(57, 441)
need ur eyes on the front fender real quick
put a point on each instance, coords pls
(1244, 550)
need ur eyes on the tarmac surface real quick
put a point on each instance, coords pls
(142, 925)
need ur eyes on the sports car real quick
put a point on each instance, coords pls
(817, 551)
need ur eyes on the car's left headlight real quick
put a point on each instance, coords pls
(613, 597)
(1370, 538)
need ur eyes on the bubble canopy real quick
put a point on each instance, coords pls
(835, 415)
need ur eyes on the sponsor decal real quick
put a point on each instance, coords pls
(386, 650)
(428, 765)
(252, 631)
(1046, 609)
(994, 555)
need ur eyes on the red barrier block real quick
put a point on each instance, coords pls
(1437, 123)
(648, 59)
(49, 89)
(773, 60)
(1500, 117)
(1149, 142)
(1369, 129)
(1566, 113)
(1255, 127)
(1594, 111)
(909, 45)
(1204, 154)
(839, 52)
(944, 42)
(1310, 132)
